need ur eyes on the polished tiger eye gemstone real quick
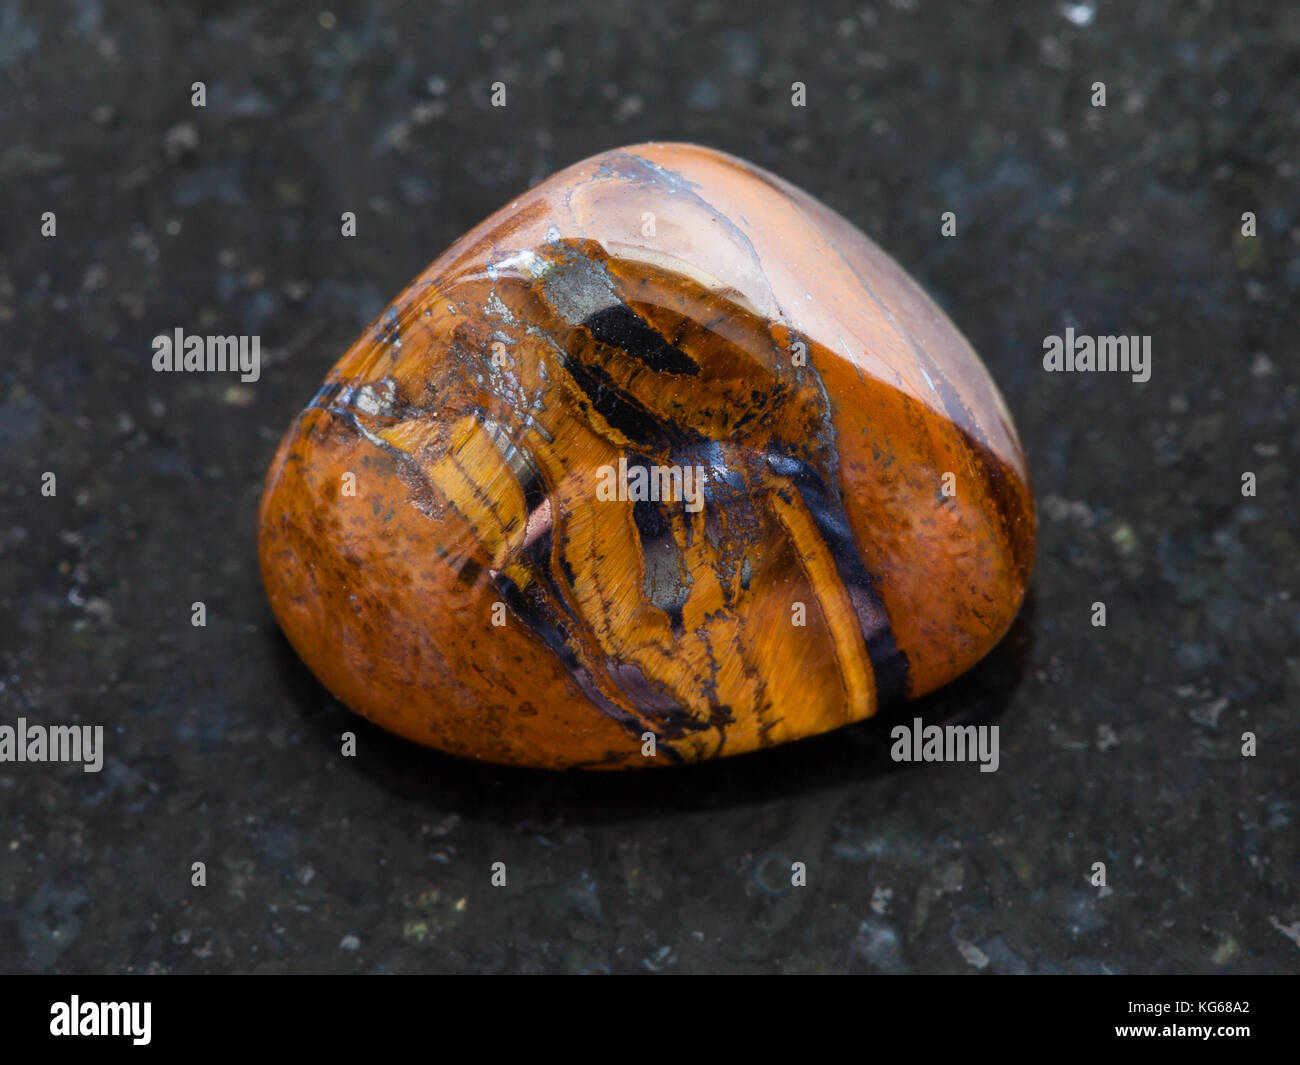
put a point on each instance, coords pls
(664, 461)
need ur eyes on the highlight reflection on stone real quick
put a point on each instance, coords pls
(665, 448)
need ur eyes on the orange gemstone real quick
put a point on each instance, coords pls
(664, 461)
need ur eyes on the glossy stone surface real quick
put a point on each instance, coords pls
(662, 305)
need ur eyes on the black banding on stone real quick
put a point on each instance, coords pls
(621, 327)
(647, 430)
(888, 662)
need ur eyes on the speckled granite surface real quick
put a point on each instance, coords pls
(1120, 744)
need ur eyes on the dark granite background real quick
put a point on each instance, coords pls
(1119, 744)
